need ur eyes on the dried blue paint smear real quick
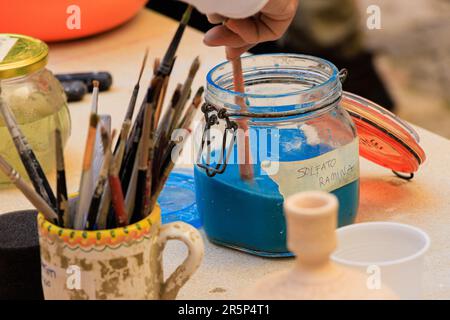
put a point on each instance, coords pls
(249, 216)
(177, 200)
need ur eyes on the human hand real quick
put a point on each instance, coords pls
(239, 35)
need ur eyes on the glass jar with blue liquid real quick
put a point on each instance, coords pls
(300, 138)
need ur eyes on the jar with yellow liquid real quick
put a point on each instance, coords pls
(35, 97)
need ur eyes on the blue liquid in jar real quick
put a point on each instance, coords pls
(249, 215)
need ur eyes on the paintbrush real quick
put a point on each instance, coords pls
(131, 193)
(104, 207)
(156, 64)
(163, 129)
(61, 184)
(143, 159)
(99, 150)
(160, 102)
(94, 103)
(129, 169)
(100, 206)
(184, 94)
(184, 123)
(245, 166)
(173, 114)
(139, 118)
(130, 157)
(85, 192)
(101, 181)
(104, 121)
(165, 174)
(35, 199)
(131, 105)
(170, 158)
(167, 62)
(140, 178)
(162, 136)
(191, 111)
(153, 153)
(117, 197)
(29, 160)
(163, 70)
(162, 96)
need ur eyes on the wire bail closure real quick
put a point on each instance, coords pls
(212, 116)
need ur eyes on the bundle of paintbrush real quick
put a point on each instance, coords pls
(154, 157)
(142, 160)
(119, 185)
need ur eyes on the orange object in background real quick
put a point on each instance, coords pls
(55, 20)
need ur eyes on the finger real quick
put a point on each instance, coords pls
(259, 28)
(215, 18)
(272, 29)
(247, 29)
(277, 16)
(280, 9)
(233, 53)
(222, 36)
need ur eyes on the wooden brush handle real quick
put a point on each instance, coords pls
(245, 168)
(118, 201)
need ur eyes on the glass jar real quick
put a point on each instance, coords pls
(35, 97)
(300, 138)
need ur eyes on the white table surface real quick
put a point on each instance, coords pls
(423, 202)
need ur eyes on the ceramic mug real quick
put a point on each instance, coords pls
(121, 263)
(392, 252)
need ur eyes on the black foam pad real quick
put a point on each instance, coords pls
(20, 264)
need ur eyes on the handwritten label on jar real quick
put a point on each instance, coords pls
(6, 44)
(326, 172)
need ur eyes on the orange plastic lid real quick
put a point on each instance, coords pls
(384, 138)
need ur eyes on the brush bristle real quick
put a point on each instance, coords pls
(113, 134)
(153, 89)
(176, 95)
(198, 96)
(156, 64)
(104, 136)
(194, 67)
(186, 15)
(144, 61)
(103, 132)
(93, 120)
(95, 83)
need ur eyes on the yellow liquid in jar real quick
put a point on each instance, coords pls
(40, 135)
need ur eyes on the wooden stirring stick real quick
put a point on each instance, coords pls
(245, 168)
